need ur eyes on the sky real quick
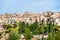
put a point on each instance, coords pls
(13, 6)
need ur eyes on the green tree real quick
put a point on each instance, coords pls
(42, 30)
(7, 26)
(58, 36)
(15, 24)
(1, 35)
(14, 36)
(22, 27)
(28, 34)
(4, 26)
(27, 26)
(46, 29)
(34, 26)
(52, 31)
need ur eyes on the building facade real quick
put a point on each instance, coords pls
(29, 17)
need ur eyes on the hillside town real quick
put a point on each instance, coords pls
(30, 18)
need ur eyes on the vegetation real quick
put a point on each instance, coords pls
(14, 36)
(28, 34)
(1, 35)
(29, 30)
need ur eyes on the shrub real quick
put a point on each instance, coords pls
(13, 36)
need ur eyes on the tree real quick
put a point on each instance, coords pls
(22, 27)
(1, 35)
(27, 25)
(36, 32)
(28, 34)
(42, 30)
(14, 36)
(7, 26)
(4, 26)
(15, 24)
(46, 29)
(34, 26)
(51, 31)
(58, 36)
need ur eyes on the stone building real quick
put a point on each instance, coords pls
(29, 17)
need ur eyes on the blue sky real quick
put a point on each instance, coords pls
(13, 6)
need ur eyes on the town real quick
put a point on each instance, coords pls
(30, 17)
(29, 23)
